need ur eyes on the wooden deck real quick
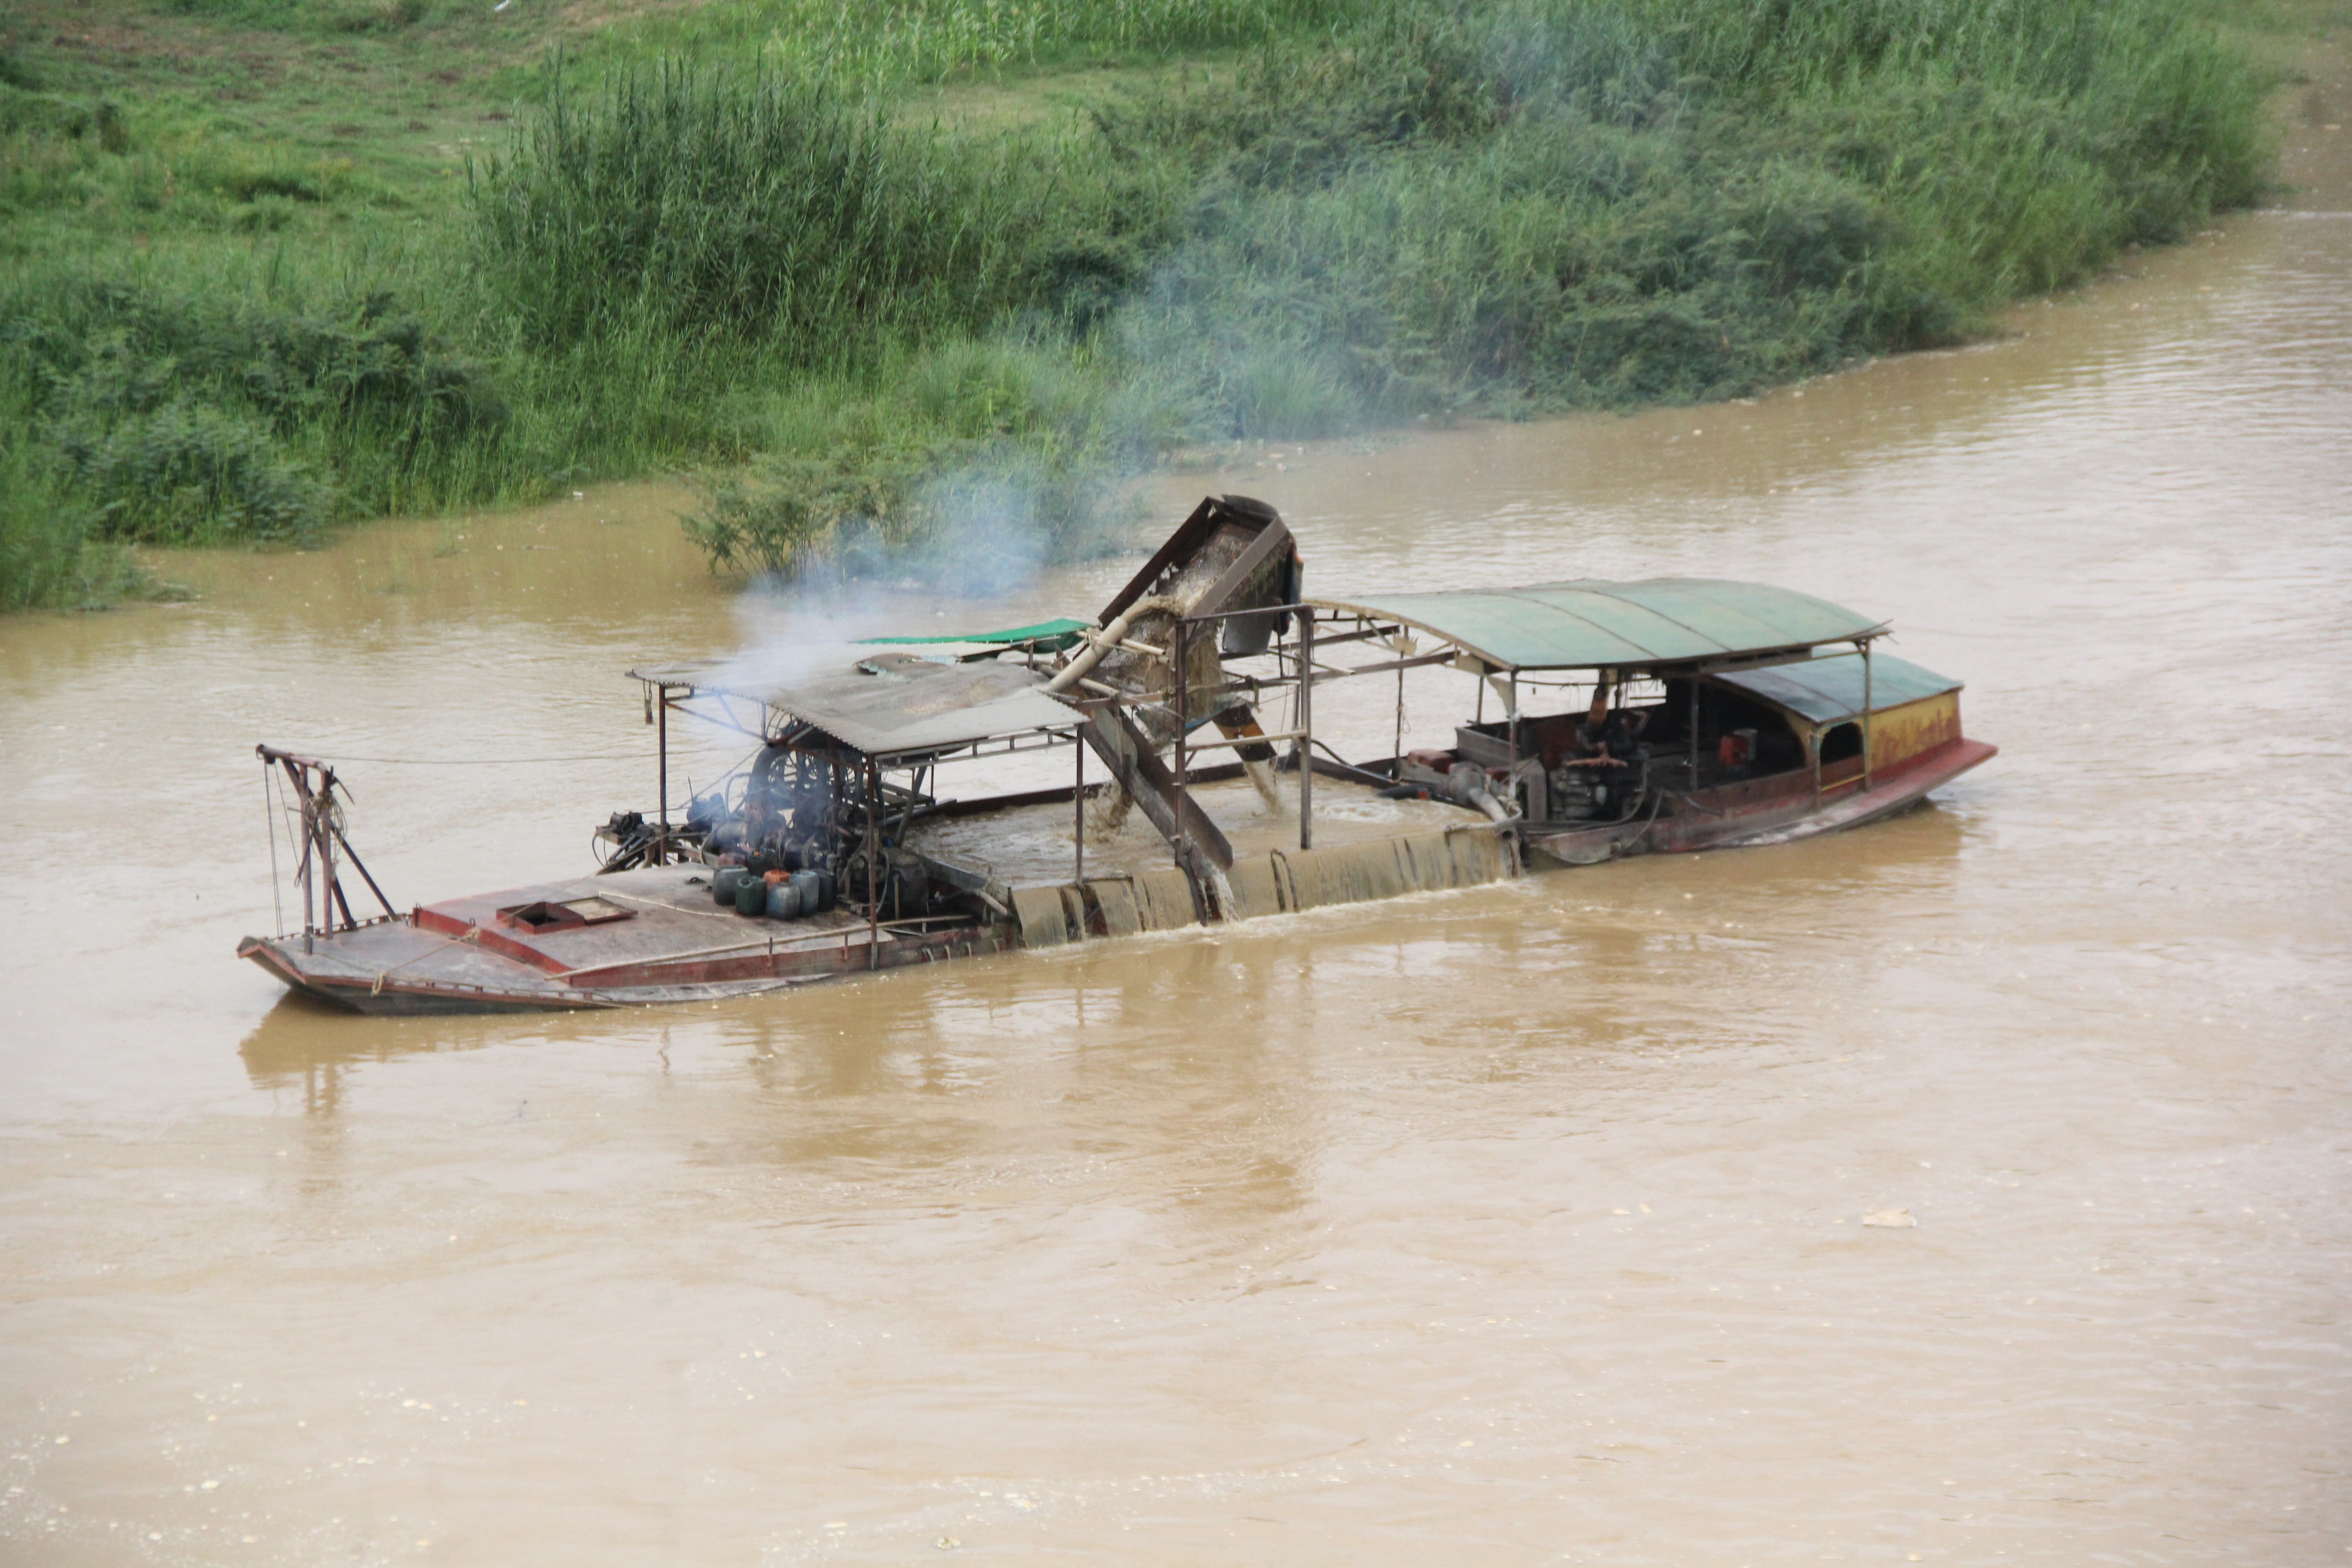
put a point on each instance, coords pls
(459, 955)
(674, 944)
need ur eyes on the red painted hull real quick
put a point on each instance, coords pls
(460, 956)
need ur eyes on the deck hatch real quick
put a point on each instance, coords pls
(543, 916)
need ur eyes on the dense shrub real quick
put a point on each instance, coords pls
(192, 417)
(1565, 202)
(48, 552)
(978, 463)
(184, 474)
(102, 347)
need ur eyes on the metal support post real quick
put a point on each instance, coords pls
(661, 844)
(1511, 778)
(873, 867)
(1396, 768)
(1180, 642)
(1694, 732)
(1078, 806)
(1306, 726)
(1866, 715)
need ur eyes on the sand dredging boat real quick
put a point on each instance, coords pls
(1685, 714)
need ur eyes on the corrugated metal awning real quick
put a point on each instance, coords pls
(1595, 625)
(892, 705)
(1828, 689)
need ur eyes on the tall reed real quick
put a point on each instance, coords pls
(709, 202)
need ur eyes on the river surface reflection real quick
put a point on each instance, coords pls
(1514, 1225)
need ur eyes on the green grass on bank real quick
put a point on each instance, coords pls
(922, 282)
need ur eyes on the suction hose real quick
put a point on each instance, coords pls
(1490, 805)
(1102, 642)
(1466, 782)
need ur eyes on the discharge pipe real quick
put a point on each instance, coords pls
(1466, 783)
(1102, 642)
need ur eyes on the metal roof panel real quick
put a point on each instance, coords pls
(1826, 690)
(1585, 624)
(892, 705)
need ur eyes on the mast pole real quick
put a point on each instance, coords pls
(309, 852)
(321, 824)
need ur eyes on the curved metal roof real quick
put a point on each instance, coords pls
(891, 706)
(1589, 625)
(1830, 689)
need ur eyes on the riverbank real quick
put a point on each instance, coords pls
(1033, 260)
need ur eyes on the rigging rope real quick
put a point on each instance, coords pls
(486, 761)
(269, 821)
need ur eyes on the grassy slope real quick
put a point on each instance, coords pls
(254, 150)
(276, 197)
(249, 299)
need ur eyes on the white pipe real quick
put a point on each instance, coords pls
(1085, 658)
(1466, 784)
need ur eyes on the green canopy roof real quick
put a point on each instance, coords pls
(1593, 625)
(1828, 689)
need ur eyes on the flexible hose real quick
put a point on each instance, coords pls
(1109, 636)
(1487, 803)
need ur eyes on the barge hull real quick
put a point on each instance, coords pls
(1725, 823)
(449, 959)
(395, 999)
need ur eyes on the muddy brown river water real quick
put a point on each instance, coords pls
(1517, 1226)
